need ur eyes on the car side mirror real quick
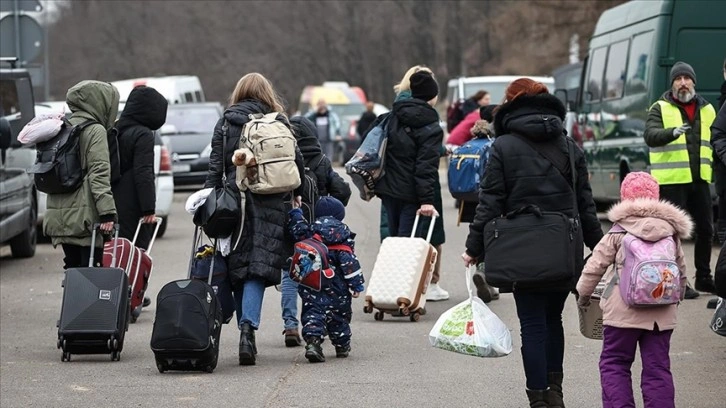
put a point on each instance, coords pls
(6, 134)
(561, 94)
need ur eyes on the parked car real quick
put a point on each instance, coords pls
(189, 129)
(18, 210)
(162, 170)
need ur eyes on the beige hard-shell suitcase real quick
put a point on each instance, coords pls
(401, 275)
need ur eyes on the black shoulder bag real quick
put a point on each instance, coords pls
(531, 246)
(220, 213)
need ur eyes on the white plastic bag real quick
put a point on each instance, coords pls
(41, 129)
(471, 328)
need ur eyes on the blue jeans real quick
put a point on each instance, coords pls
(288, 301)
(543, 338)
(401, 216)
(248, 301)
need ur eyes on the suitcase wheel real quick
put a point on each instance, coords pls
(404, 311)
(161, 367)
(66, 356)
(209, 369)
(415, 316)
(378, 316)
(116, 356)
(367, 309)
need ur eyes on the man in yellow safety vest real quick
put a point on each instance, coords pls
(678, 134)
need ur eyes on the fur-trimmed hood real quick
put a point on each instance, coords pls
(651, 220)
(537, 117)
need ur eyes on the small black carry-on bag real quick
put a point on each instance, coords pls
(95, 310)
(188, 323)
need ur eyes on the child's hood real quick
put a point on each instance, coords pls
(651, 220)
(331, 230)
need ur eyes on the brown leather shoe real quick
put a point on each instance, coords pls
(292, 338)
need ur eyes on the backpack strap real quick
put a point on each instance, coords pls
(341, 247)
(615, 229)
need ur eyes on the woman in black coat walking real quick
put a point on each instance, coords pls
(259, 256)
(516, 176)
(135, 192)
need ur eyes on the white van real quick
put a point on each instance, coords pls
(176, 88)
(465, 87)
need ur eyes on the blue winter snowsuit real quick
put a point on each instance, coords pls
(328, 311)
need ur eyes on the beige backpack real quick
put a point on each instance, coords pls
(272, 146)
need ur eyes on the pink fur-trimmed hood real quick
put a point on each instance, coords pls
(651, 219)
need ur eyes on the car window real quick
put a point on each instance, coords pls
(594, 76)
(615, 71)
(353, 109)
(496, 90)
(9, 102)
(193, 120)
(639, 64)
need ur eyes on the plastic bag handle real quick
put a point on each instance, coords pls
(470, 270)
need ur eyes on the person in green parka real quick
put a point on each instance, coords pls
(70, 217)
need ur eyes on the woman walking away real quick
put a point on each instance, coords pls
(411, 182)
(519, 175)
(644, 228)
(256, 260)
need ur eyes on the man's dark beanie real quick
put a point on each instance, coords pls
(681, 68)
(424, 86)
(487, 112)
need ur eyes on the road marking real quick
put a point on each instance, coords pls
(79, 388)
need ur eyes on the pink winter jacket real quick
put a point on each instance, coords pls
(462, 132)
(650, 220)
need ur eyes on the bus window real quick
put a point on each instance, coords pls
(198, 96)
(188, 97)
(615, 71)
(594, 77)
(638, 64)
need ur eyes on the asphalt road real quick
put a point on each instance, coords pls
(391, 364)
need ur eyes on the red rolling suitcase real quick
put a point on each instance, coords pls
(137, 264)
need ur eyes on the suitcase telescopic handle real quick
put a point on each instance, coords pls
(96, 229)
(431, 227)
(195, 242)
(157, 222)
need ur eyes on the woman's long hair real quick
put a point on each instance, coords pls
(405, 84)
(256, 86)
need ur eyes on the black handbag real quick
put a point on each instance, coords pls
(531, 246)
(220, 213)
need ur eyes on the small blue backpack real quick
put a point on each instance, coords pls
(466, 169)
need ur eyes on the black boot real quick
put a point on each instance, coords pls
(313, 350)
(554, 394)
(537, 398)
(247, 347)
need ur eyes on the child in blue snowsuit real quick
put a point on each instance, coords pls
(328, 311)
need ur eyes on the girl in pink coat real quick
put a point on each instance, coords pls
(643, 215)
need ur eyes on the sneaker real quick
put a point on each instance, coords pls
(314, 352)
(147, 302)
(705, 285)
(436, 292)
(483, 290)
(690, 293)
(292, 338)
(342, 352)
(494, 292)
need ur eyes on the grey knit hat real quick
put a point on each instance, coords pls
(681, 68)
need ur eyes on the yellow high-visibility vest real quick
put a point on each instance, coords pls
(669, 164)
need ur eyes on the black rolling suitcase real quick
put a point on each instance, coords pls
(188, 324)
(95, 310)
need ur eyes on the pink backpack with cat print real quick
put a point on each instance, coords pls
(650, 275)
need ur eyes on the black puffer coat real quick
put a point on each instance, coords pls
(412, 152)
(260, 253)
(516, 175)
(135, 193)
(328, 180)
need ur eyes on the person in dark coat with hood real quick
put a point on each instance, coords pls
(411, 184)
(518, 175)
(258, 257)
(135, 192)
(329, 183)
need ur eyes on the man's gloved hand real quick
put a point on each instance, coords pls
(680, 130)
